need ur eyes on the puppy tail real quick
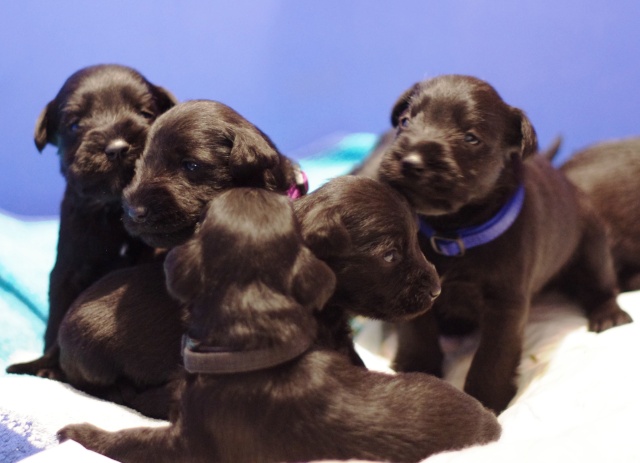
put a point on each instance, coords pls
(552, 150)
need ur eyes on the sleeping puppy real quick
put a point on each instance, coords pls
(256, 388)
(367, 233)
(609, 173)
(363, 229)
(194, 151)
(498, 223)
(99, 122)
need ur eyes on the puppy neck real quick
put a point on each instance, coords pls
(198, 358)
(247, 329)
(454, 242)
(479, 212)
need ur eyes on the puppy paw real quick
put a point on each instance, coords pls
(85, 434)
(602, 321)
(35, 368)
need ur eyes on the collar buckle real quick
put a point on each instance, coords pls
(446, 246)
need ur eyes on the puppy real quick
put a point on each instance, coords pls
(364, 230)
(498, 223)
(194, 151)
(367, 233)
(256, 389)
(99, 122)
(608, 173)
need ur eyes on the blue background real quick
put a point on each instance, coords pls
(304, 70)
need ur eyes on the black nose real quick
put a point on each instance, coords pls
(412, 163)
(435, 292)
(137, 213)
(117, 148)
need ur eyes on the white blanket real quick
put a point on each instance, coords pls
(578, 398)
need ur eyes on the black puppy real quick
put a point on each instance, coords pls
(194, 151)
(121, 338)
(99, 122)
(498, 223)
(255, 387)
(367, 233)
(609, 173)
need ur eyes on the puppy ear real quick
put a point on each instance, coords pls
(402, 104)
(164, 98)
(44, 133)
(525, 134)
(313, 280)
(251, 155)
(325, 234)
(183, 270)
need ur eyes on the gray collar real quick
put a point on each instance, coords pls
(198, 358)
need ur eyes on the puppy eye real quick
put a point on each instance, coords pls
(190, 166)
(391, 256)
(147, 115)
(74, 126)
(471, 138)
(404, 122)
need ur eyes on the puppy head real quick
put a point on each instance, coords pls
(368, 235)
(99, 121)
(456, 142)
(195, 151)
(246, 275)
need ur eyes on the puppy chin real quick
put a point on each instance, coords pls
(159, 238)
(97, 193)
(402, 313)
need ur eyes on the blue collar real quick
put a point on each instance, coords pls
(454, 244)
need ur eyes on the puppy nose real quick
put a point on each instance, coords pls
(435, 292)
(137, 213)
(117, 148)
(412, 164)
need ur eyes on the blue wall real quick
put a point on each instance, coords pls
(302, 70)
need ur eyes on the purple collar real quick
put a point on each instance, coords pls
(454, 244)
(219, 360)
(300, 187)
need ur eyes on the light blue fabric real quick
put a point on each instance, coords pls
(28, 250)
(27, 254)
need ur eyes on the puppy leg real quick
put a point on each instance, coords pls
(593, 280)
(47, 366)
(136, 445)
(418, 346)
(492, 376)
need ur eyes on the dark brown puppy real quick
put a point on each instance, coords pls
(465, 160)
(609, 173)
(194, 151)
(363, 229)
(255, 387)
(367, 233)
(99, 122)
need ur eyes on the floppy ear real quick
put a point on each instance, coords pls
(44, 132)
(324, 233)
(402, 104)
(251, 155)
(164, 98)
(313, 280)
(525, 137)
(183, 270)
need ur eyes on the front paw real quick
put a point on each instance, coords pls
(603, 320)
(85, 434)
